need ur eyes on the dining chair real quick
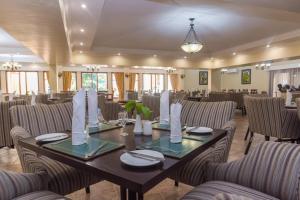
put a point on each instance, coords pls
(271, 171)
(298, 107)
(217, 115)
(109, 109)
(152, 102)
(25, 186)
(269, 117)
(5, 122)
(32, 121)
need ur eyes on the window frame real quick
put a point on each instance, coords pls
(19, 72)
(154, 79)
(97, 78)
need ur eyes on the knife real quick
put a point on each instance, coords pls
(145, 156)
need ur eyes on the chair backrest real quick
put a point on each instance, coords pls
(153, 102)
(42, 119)
(265, 115)
(218, 96)
(42, 98)
(5, 121)
(209, 114)
(132, 95)
(298, 107)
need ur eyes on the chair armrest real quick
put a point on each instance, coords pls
(290, 124)
(17, 184)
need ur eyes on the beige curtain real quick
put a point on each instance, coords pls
(174, 81)
(67, 79)
(51, 77)
(119, 76)
(132, 77)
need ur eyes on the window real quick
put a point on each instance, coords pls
(169, 83)
(22, 82)
(136, 84)
(73, 82)
(97, 81)
(46, 83)
(153, 82)
(114, 86)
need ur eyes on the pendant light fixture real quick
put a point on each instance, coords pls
(191, 43)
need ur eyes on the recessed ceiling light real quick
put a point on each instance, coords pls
(82, 30)
(268, 46)
(154, 55)
(185, 57)
(212, 58)
(81, 43)
(234, 53)
(83, 6)
(119, 54)
(80, 51)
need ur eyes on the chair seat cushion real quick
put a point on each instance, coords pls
(209, 190)
(40, 195)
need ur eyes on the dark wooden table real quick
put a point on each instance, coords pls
(133, 182)
(291, 107)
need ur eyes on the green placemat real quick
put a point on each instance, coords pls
(177, 150)
(164, 127)
(201, 138)
(102, 127)
(82, 151)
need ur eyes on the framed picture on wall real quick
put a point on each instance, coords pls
(203, 78)
(246, 76)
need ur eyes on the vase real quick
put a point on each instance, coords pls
(147, 127)
(138, 129)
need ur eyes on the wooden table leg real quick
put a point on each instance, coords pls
(123, 193)
(131, 195)
(140, 196)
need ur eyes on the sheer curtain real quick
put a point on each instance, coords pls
(284, 76)
(174, 81)
(132, 77)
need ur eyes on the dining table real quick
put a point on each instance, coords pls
(134, 182)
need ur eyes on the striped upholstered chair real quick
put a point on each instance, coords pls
(153, 102)
(40, 119)
(270, 171)
(109, 109)
(5, 122)
(25, 186)
(214, 115)
(298, 107)
(268, 116)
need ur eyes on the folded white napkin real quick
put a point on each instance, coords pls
(288, 100)
(78, 119)
(33, 96)
(164, 108)
(176, 135)
(11, 96)
(92, 108)
(1, 96)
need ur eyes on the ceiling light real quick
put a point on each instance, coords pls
(83, 6)
(185, 57)
(81, 43)
(191, 43)
(268, 46)
(80, 51)
(11, 65)
(234, 53)
(82, 30)
(154, 55)
(119, 54)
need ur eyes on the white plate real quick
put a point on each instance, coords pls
(50, 137)
(199, 130)
(130, 160)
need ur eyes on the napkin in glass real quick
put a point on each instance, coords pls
(78, 119)
(164, 108)
(92, 108)
(33, 96)
(176, 135)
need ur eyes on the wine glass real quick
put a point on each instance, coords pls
(100, 117)
(123, 117)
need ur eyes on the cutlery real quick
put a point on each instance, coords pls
(161, 149)
(145, 156)
(96, 150)
(50, 138)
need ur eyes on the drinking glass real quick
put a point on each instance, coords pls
(123, 117)
(100, 117)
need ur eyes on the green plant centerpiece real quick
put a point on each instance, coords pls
(140, 110)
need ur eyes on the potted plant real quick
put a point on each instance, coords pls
(140, 110)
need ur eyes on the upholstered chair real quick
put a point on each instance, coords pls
(132, 95)
(25, 186)
(153, 102)
(109, 109)
(298, 107)
(5, 122)
(269, 117)
(270, 171)
(216, 115)
(31, 121)
(42, 99)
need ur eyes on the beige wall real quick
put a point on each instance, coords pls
(260, 80)
(191, 80)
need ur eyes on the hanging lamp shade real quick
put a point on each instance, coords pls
(191, 43)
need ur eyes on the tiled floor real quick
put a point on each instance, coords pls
(164, 191)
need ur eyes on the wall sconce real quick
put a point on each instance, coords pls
(59, 74)
(126, 75)
(182, 76)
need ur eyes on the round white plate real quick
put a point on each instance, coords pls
(199, 130)
(50, 137)
(130, 160)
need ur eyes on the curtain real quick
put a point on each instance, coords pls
(174, 81)
(51, 77)
(119, 76)
(67, 80)
(132, 77)
(284, 76)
